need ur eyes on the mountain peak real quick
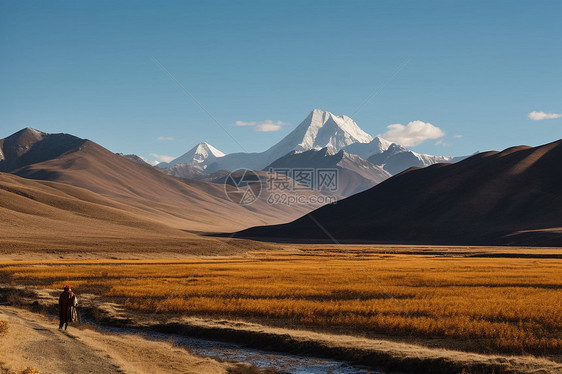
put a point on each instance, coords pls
(366, 150)
(319, 118)
(28, 133)
(205, 147)
(31, 129)
(29, 146)
(20, 142)
(201, 153)
(320, 129)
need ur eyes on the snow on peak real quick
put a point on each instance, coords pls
(382, 144)
(201, 153)
(324, 129)
(320, 129)
(366, 150)
(206, 149)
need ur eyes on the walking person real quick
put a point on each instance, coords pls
(67, 307)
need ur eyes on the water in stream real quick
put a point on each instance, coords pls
(283, 362)
(286, 363)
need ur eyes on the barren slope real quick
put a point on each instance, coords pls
(169, 201)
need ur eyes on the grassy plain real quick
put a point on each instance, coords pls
(499, 302)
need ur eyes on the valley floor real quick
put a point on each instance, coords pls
(405, 308)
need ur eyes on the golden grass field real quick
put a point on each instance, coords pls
(494, 304)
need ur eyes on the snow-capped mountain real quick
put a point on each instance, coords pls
(397, 158)
(366, 150)
(202, 154)
(320, 129)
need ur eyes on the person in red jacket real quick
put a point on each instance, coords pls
(67, 302)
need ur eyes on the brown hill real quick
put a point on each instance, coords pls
(512, 197)
(51, 217)
(163, 199)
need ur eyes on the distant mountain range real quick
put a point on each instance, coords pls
(397, 158)
(492, 198)
(320, 130)
(58, 189)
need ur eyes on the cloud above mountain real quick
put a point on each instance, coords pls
(539, 116)
(264, 126)
(162, 158)
(414, 133)
(165, 138)
(267, 126)
(242, 123)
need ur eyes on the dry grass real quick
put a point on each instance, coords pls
(3, 327)
(501, 304)
(27, 370)
(30, 370)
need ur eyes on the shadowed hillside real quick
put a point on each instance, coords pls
(510, 197)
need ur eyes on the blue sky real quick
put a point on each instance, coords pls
(474, 70)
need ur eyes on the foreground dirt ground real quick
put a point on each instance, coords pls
(33, 341)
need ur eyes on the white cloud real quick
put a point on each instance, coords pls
(414, 133)
(267, 127)
(264, 126)
(163, 158)
(242, 123)
(457, 136)
(165, 138)
(538, 116)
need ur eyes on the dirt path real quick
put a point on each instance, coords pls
(33, 340)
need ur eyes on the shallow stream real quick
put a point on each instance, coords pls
(286, 363)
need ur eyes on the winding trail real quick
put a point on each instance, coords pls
(33, 340)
